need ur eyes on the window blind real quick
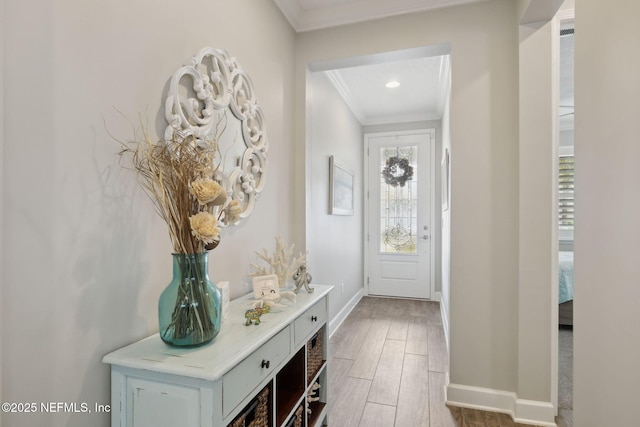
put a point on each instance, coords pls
(565, 192)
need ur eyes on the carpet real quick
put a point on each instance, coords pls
(565, 368)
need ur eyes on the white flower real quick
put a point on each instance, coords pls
(232, 212)
(206, 190)
(204, 227)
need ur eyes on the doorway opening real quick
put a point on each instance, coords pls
(565, 185)
(347, 99)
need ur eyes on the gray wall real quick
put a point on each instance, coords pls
(607, 272)
(445, 233)
(85, 256)
(335, 242)
(484, 215)
(537, 151)
(2, 46)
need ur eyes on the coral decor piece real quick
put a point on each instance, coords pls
(281, 263)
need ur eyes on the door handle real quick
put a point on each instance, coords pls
(425, 237)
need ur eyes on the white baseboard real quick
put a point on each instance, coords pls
(335, 323)
(530, 411)
(523, 411)
(445, 322)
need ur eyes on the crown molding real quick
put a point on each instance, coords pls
(403, 118)
(540, 11)
(345, 93)
(352, 12)
(291, 10)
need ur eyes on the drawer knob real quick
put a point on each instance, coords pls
(265, 363)
(314, 318)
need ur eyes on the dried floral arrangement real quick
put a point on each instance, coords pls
(179, 176)
(281, 263)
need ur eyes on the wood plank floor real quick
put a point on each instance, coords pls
(388, 367)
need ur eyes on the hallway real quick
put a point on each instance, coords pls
(388, 367)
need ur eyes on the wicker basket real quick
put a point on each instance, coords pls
(314, 354)
(257, 412)
(298, 422)
(296, 419)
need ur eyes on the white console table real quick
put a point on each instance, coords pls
(156, 385)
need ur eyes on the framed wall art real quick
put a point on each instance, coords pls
(340, 188)
(444, 179)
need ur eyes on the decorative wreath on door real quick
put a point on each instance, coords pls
(397, 171)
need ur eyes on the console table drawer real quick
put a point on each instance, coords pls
(240, 381)
(306, 323)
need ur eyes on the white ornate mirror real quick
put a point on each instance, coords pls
(210, 93)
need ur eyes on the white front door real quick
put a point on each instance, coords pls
(399, 217)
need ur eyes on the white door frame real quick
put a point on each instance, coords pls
(562, 16)
(432, 193)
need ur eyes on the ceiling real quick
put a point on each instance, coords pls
(423, 76)
(421, 93)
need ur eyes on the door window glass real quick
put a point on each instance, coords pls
(398, 199)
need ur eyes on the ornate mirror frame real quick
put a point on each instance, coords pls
(200, 95)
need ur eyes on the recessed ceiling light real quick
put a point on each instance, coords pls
(392, 83)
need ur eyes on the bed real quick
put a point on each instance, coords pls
(565, 288)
